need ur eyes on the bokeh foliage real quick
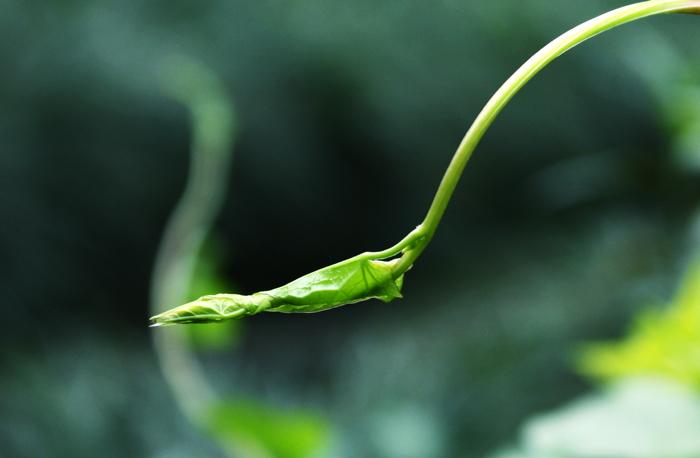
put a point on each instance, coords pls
(663, 341)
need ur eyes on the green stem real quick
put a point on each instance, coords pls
(412, 245)
(424, 233)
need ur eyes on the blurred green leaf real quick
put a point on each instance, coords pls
(215, 338)
(665, 343)
(254, 430)
(207, 277)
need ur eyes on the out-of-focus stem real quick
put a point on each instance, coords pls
(190, 223)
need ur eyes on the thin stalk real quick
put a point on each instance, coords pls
(424, 233)
(328, 287)
(190, 224)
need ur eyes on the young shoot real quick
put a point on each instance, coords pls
(380, 274)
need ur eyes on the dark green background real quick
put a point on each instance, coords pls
(573, 213)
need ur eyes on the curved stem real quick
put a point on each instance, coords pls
(189, 225)
(512, 85)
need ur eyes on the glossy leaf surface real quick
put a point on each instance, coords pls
(354, 280)
(340, 284)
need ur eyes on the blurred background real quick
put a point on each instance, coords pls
(574, 223)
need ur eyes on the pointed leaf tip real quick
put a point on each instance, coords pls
(213, 308)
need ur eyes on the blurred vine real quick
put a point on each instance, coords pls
(183, 267)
